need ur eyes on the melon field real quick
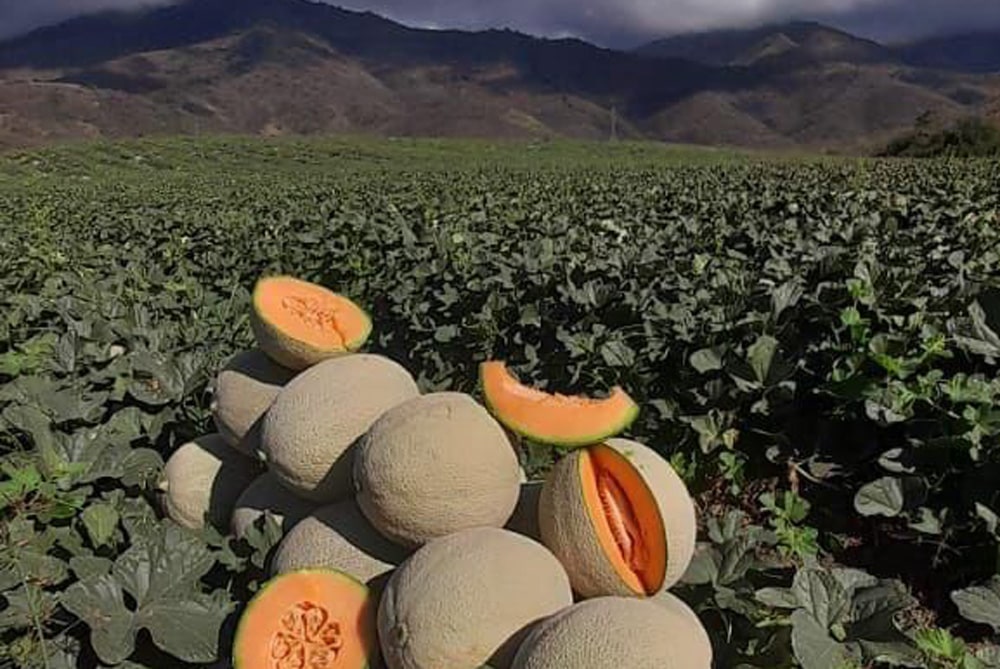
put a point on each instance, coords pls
(813, 346)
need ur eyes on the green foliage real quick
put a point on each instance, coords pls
(814, 346)
(966, 138)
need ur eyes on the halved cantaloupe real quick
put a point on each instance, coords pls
(298, 323)
(312, 618)
(552, 418)
(619, 518)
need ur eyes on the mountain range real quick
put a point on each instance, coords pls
(273, 67)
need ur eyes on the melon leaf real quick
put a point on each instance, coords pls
(980, 604)
(883, 497)
(100, 519)
(819, 593)
(100, 603)
(814, 648)
(162, 574)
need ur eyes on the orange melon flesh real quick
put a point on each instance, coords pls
(626, 518)
(311, 314)
(552, 418)
(307, 619)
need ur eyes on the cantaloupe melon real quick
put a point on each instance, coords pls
(308, 619)
(466, 599)
(265, 494)
(556, 419)
(243, 390)
(434, 465)
(299, 323)
(310, 430)
(617, 632)
(619, 518)
(202, 481)
(524, 520)
(338, 537)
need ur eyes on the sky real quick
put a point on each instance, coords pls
(614, 23)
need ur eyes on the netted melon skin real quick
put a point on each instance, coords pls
(617, 632)
(466, 599)
(310, 431)
(266, 494)
(203, 479)
(338, 537)
(242, 393)
(434, 465)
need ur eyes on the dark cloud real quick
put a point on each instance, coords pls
(18, 16)
(610, 22)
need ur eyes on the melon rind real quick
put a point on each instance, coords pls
(520, 427)
(266, 494)
(242, 392)
(310, 431)
(289, 351)
(617, 632)
(203, 479)
(567, 528)
(434, 465)
(262, 594)
(338, 537)
(465, 600)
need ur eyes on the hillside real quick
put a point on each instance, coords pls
(798, 42)
(275, 67)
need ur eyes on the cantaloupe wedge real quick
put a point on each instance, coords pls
(619, 518)
(617, 632)
(298, 323)
(552, 418)
(308, 619)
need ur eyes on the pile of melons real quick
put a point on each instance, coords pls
(411, 538)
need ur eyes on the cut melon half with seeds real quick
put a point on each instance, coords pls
(553, 418)
(308, 619)
(298, 323)
(619, 518)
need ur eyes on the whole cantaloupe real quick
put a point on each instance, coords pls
(434, 465)
(338, 537)
(242, 392)
(311, 427)
(619, 518)
(267, 495)
(466, 599)
(622, 632)
(202, 481)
